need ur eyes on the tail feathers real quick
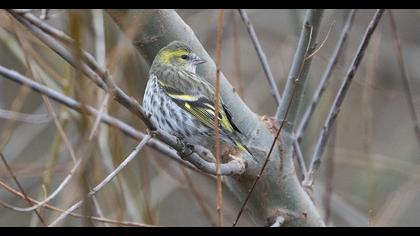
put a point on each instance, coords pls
(243, 148)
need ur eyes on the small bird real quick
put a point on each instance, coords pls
(182, 103)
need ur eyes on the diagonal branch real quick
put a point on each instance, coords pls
(335, 108)
(50, 207)
(261, 55)
(104, 182)
(20, 187)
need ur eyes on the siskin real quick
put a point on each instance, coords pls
(182, 103)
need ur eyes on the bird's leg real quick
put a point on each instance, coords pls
(186, 149)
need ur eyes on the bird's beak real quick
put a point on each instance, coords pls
(198, 60)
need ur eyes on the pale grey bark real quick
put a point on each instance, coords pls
(279, 192)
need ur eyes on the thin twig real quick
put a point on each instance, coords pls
(100, 56)
(20, 187)
(219, 195)
(404, 76)
(56, 191)
(301, 161)
(265, 162)
(106, 180)
(50, 207)
(101, 111)
(261, 55)
(326, 76)
(22, 117)
(316, 50)
(335, 108)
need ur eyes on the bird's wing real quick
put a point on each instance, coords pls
(196, 96)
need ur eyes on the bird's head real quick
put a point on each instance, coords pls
(179, 55)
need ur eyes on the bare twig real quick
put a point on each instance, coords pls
(316, 50)
(219, 195)
(335, 108)
(56, 191)
(20, 187)
(300, 160)
(106, 180)
(327, 75)
(101, 111)
(404, 76)
(50, 207)
(28, 118)
(261, 55)
(265, 162)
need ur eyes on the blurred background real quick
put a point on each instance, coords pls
(370, 171)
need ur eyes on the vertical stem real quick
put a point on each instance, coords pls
(300, 66)
(219, 196)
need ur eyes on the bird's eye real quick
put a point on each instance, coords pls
(185, 57)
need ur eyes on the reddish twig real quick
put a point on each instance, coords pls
(219, 195)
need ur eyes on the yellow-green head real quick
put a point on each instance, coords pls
(178, 55)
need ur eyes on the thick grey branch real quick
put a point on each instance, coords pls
(300, 66)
